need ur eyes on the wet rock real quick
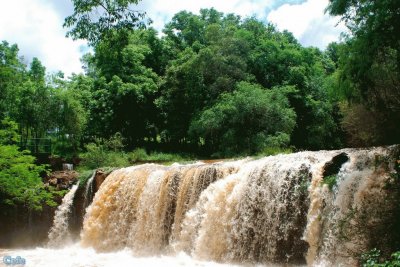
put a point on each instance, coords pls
(53, 181)
(99, 178)
(332, 167)
(62, 180)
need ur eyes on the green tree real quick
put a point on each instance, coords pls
(246, 121)
(369, 67)
(94, 19)
(12, 73)
(20, 181)
(125, 89)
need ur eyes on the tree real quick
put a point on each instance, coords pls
(125, 89)
(94, 19)
(12, 73)
(20, 181)
(246, 121)
(369, 66)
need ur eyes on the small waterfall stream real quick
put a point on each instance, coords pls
(59, 232)
(88, 197)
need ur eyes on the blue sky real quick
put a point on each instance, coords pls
(36, 25)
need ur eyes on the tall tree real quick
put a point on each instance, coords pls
(94, 19)
(369, 66)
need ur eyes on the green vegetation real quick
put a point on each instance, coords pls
(110, 153)
(214, 85)
(20, 180)
(331, 181)
(368, 73)
(248, 120)
(115, 15)
(372, 258)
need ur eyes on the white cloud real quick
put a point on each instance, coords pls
(308, 22)
(36, 28)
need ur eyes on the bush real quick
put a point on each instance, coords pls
(139, 154)
(105, 154)
(20, 177)
(164, 157)
(372, 259)
(271, 151)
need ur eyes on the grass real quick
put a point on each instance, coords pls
(98, 157)
(140, 155)
(272, 151)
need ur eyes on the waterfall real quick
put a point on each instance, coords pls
(88, 197)
(59, 233)
(277, 209)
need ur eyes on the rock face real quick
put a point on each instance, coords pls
(84, 196)
(332, 167)
(99, 178)
(61, 180)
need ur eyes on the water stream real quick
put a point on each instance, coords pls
(274, 211)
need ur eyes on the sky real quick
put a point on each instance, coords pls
(36, 25)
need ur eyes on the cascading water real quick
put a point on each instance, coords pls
(275, 209)
(59, 232)
(317, 208)
(88, 195)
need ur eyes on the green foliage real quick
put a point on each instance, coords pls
(11, 73)
(8, 132)
(84, 176)
(137, 155)
(20, 180)
(104, 154)
(164, 157)
(100, 154)
(140, 155)
(167, 93)
(369, 68)
(86, 23)
(247, 120)
(331, 181)
(274, 150)
(372, 258)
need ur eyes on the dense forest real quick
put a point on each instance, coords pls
(210, 85)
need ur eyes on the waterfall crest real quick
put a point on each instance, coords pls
(277, 209)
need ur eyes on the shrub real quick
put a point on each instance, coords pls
(372, 258)
(20, 180)
(105, 153)
(139, 154)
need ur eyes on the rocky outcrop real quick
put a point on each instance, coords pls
(84, 197)
(99, 178)
(61, 180)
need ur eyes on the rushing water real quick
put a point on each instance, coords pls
(89, 191)
(59, 232)
(76, 256)
(274, 210)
